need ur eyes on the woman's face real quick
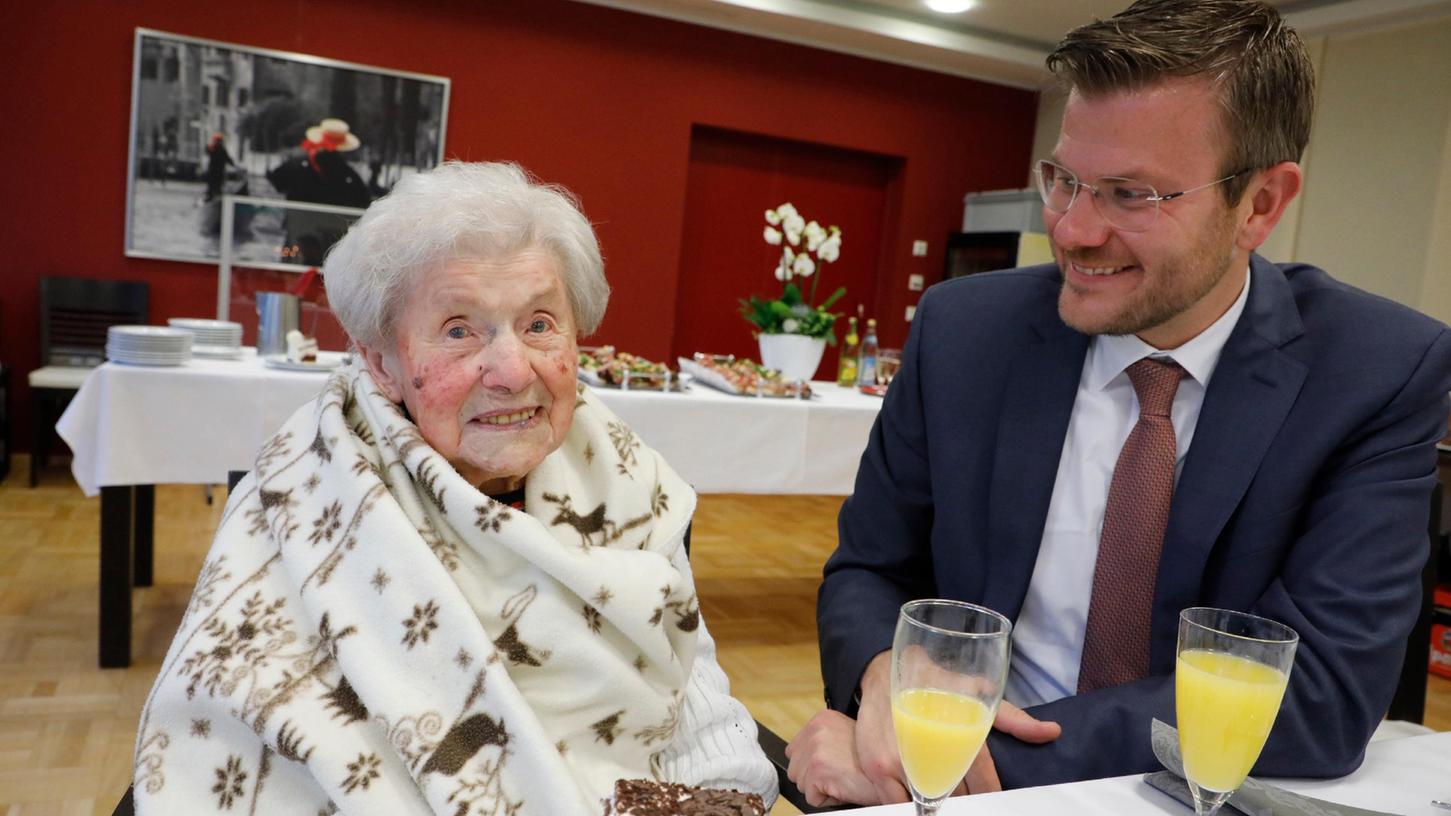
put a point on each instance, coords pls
(484, 359)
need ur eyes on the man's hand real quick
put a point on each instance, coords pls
(823, 762)
(876, 739)
(982, 777)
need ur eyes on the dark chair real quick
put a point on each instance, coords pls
(74, 316)
(773, 745)
(1409, 702)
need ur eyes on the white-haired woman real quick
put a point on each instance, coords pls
(455, 583)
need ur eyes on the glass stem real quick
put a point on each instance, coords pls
(1207, 802)
(925, 806)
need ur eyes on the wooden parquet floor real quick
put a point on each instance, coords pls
(67, 727)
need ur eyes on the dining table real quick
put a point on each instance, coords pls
(1401, 776)
(131, 427)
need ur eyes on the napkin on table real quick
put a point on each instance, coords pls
(1254, 798)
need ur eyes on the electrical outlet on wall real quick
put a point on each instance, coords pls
(914, 283)
(919, 249)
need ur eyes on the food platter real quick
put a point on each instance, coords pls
(605, 367)
(742, 377)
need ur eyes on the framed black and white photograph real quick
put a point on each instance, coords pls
(212, 118)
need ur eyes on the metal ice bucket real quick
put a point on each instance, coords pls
(277, 314)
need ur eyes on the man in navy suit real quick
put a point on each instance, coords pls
(1304, 424)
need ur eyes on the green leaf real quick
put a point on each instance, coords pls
(834, 297)
(791, 295)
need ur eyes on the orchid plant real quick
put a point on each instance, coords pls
(806, 247)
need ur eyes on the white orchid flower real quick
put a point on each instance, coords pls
(773, 236)
(804, 266)
(790, 325)
(783, 269)
(794, 225)
(814, 236)
(772, 218)
(830, 249)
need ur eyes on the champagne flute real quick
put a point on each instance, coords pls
(1231, 674)
(888, 362)
(949, 664)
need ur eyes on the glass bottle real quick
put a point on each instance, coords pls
(866, 372)
(846, 364)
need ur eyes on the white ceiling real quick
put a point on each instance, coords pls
(1001, 41)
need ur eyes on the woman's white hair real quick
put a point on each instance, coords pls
(479, 211)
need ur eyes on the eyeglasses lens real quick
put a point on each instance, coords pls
(1127, 204)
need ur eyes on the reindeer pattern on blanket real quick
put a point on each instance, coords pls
(371, 635)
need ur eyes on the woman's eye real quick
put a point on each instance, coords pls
(539, 326)
(457, 332)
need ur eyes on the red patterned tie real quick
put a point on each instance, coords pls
(1116, 640)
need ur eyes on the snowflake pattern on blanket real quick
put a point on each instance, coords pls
(371, 635)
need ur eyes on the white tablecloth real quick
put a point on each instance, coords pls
(1399, 776)
(722, 443)
(193, 423)
(187, 424)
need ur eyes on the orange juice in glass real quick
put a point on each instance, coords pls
(1231, 674)
(949, 665)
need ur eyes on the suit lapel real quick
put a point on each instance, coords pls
(1252, 390)
(1037, 402)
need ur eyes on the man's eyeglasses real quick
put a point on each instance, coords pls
(1127, 204)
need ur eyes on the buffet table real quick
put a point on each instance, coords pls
(131, 427)
(1398, 776)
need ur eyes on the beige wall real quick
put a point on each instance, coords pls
(1379, 163)
(1376, 208)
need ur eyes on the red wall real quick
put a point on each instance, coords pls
(724, 258)
(599, 100)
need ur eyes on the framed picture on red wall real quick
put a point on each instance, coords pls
(211, 119)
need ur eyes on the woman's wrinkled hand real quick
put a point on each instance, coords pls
(823, 762)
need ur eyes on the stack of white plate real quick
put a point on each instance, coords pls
(148, 345)
(214, 338)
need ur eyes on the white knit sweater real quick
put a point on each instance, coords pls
(716, 746)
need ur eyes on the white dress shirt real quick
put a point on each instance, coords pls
(1048, 636)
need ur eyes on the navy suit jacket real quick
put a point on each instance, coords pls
(1303, 498)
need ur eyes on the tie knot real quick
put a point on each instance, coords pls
(1155, 381)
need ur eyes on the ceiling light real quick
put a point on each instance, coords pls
(949, 6)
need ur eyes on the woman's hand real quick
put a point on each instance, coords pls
(824, 762)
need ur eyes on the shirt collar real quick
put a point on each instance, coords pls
(1110, 354)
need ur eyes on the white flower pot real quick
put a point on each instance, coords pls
(796, 356)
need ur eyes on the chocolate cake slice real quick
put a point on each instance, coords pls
(641, 797)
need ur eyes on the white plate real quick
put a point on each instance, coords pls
(220, 326)
(146, 356)
(156, 363)
(326, 361)
(218, 352)
(148, 332)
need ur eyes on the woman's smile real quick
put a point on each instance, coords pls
(510, 419)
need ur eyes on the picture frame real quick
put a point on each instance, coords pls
(289, 127)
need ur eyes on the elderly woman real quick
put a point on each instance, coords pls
(455, 583)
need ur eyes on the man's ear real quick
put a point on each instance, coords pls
(384, 370)
(1269, 193)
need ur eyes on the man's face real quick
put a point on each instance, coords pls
(1169, 282)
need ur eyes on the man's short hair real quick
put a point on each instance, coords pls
(1265, 80)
